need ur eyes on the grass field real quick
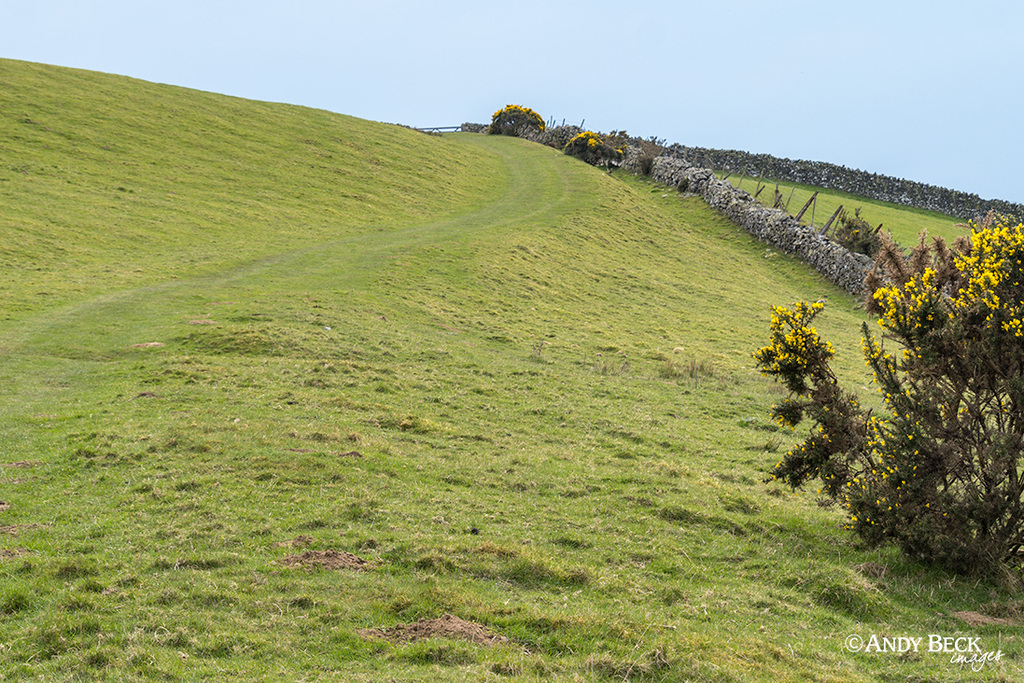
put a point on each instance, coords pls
(476, 377)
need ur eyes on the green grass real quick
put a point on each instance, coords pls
(378, 343)
(906, 224)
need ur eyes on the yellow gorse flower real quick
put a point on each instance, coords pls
(993, 271)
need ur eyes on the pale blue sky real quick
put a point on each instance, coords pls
(930, 91)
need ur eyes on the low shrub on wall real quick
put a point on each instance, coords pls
(856, 234)
(593, 149)
(516, 120)
(641, 151)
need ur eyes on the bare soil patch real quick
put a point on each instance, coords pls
(326, 559)
(301, 541)
(20, 463)
(978, 619)
(447, 626)
(10, 553)
(14, 529)
(148, 345)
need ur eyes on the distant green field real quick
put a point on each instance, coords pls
(480, 377)
(906, 224)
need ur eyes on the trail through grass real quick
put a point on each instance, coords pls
(518, 388)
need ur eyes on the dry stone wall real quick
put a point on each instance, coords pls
(772, 226)
(833, 177)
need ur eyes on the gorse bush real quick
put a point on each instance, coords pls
(593, 149)
(854, 233)
(645, 150)
(939, 474)
(515, 120)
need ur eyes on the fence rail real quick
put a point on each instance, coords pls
(440, 129)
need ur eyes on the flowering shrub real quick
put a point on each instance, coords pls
(854, 233)
(557, 137)
(799, 358)
(939, 474)
(593, 149)
(515, 120)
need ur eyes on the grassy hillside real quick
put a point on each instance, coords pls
(194, 181)
(479, 377)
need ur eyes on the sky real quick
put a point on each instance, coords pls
(928, 91)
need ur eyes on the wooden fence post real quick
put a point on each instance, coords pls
(760, 179)
(807, 205)
(829, 223)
